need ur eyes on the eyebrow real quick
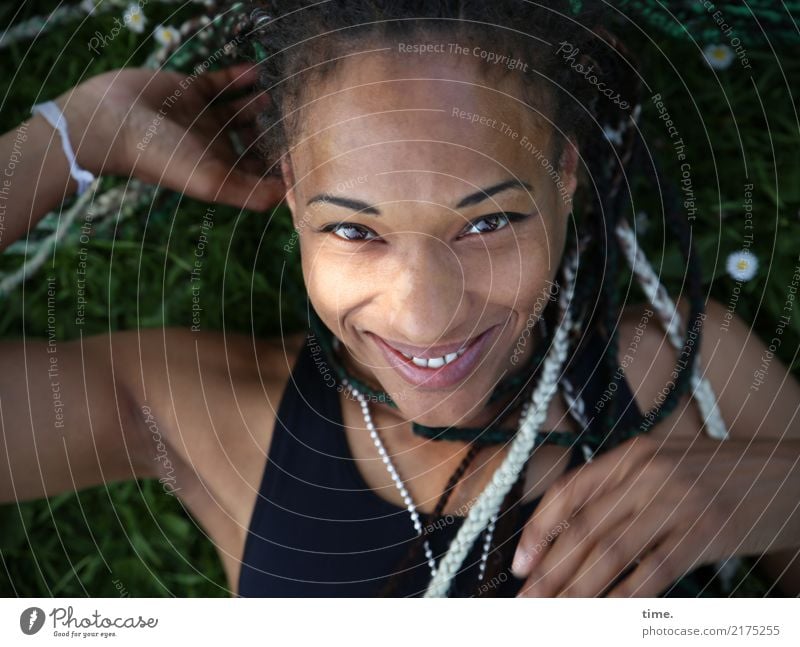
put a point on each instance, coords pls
(471, 200)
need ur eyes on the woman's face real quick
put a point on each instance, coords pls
(429, 225)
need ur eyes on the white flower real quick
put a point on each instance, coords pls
(718, 56)
(134, 18)
(88, 6)
(742, 265)
(166, 35)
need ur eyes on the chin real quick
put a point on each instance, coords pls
(444, 412)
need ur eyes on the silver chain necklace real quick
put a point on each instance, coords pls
(412, 509)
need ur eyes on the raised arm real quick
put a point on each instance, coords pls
(157, 126)
(65, 412)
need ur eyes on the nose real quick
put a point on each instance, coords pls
(428, 293)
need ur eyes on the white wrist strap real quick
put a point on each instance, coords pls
(51, 112)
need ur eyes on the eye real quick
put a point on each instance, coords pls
(348, 231)
(493, 222)
(484, 225)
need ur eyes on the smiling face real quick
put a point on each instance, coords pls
(427, 227)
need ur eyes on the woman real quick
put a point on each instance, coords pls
(431, 167)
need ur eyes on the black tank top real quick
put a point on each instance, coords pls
(318, 530)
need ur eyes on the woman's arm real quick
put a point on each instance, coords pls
(674, 498)
(66, 411)
(758, 399)
(35, 179)
(68, 419)
(763, 397)
(157, 126)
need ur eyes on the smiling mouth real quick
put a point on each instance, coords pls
(434, 356)
(436, 362)
(437, 369)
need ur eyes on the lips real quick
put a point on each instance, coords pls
(430, 351)
(442, 376)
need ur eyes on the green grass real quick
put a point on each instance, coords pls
(131, 537)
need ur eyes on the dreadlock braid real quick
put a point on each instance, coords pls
(505, 534)
(619, 70)
(684, 366)
(416, 548)
(518, 454)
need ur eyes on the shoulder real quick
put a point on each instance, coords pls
(211, 394)
(205, 403)
(740, 368)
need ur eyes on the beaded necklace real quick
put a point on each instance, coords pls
(412, 509)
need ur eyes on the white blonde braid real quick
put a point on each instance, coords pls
(490, 500)
(671, 320)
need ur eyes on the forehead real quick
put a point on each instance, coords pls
(427, 125)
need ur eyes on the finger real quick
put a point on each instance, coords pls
(234, 77)
(216, 181)
(251, 139)
(614, 552)
(658, 570)
(240, 114)
(205, 170)
(572, 491)
(597, 522)
(251, 164)
(208, 128)
(551, 516)
(244, 110)
(255, 192)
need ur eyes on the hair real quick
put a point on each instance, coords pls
(306, 42)
(301, 43)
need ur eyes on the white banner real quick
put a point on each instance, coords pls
(401, 622)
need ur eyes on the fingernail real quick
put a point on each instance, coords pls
(520, 563)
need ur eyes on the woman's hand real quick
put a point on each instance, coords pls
(160, 127)
(674, 505)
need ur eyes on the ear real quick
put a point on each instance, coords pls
(288, 181)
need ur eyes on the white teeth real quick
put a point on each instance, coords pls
(436, 362)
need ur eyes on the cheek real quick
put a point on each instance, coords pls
(335, 280)
(513, 275)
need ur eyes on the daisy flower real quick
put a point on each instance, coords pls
(742, 265)
(718, 56)
(166, 35)
(134, 18)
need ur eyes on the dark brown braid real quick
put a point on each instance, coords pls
(415, 551)
(505, 531)
(506, 536)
